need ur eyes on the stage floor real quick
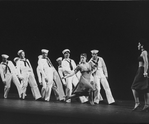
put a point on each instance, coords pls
(29, 111)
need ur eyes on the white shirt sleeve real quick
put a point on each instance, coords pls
(12, 68)
(66, 67)
(73, 64)
(2, 73)
(40, 64)
(30, 66)
(104, 67)
(18, 66)
(38, 70)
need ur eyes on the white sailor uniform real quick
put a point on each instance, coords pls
(26, 75)
(45, 70)
(8, 73)
(100, 77)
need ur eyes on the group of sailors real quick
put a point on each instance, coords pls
(83, 80)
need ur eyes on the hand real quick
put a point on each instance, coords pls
(20, 77)
(145, 74)
(64, 77)
(40, 82)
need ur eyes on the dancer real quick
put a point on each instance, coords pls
(85, 80)
(8, 73)
(68, 66)
(49, 78)
(100, 77)
(26, 76)
(140, 83)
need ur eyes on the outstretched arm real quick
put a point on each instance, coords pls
(73, 72)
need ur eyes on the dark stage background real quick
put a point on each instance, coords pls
(113, 28)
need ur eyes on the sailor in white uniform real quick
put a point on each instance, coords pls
(26, 75)
(8, 73)
(49, 78)
(100, 77)
(68, 66)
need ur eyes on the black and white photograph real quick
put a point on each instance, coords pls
(74, 62)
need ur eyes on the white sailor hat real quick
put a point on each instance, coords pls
(20, 51)
(16, 59)
(44, 51)
(59, 59)
(94, 51)
(5, 56)
(65, 50)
